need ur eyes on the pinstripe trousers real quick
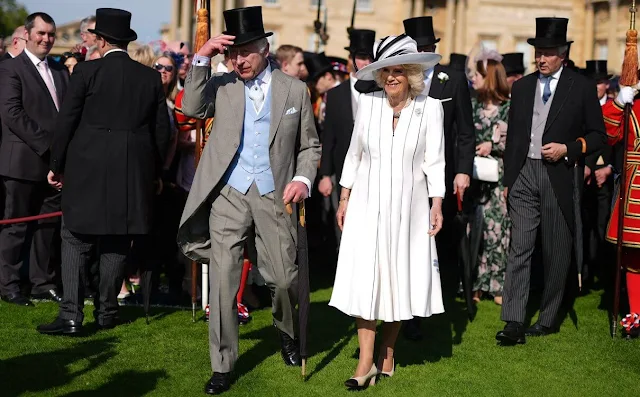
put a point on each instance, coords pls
(80, 250)
(533, 207)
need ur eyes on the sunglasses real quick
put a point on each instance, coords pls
(160, 67)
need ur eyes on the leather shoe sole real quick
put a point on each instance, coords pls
(66, 330)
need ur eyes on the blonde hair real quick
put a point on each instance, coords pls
(143, 55)
(415, 77)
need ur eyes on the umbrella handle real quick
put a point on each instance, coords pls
(459, 198)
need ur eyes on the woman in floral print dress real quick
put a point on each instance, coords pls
(490, 116)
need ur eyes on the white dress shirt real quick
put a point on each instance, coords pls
(428, 78)
(552, 84)
(603, 100)
(36, 61)
(263, 80)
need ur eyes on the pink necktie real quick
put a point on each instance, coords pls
(48, 82)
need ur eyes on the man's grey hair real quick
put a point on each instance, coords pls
(85, 22)
(90, 52)
(562, 51)
(262, 44)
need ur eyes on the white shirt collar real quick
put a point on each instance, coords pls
(114, 50)
(265, 76)
(428, 74)
(36, 61)
(556, 75)
(603, 100)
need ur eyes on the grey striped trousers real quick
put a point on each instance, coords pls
(533, 207)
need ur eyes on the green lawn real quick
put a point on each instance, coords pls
(170, 357)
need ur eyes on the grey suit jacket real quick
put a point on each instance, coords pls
(294, 146)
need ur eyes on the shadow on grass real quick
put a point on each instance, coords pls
(326, 327)
(39, 372)
(124, 384)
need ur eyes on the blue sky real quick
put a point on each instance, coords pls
(147, 15)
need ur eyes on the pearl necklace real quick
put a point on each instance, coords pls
(396, 115)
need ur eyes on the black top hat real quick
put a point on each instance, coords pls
(114, 24)
(421, 30)
(513, 63)
(317, 65)
(361, 42)
(550, 33)
(245, 24)
(458, 61)
(597, 70)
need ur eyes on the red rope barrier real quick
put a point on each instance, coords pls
(30, 218)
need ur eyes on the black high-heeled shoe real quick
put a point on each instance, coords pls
(362, 382)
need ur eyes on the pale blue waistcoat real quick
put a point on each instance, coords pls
(251, 162)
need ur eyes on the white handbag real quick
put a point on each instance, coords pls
(486, 169)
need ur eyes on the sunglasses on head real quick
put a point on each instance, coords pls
(159, 67)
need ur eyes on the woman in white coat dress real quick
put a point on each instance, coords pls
(388, 265)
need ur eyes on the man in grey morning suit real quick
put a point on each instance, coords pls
(554, 120)
(262, 153)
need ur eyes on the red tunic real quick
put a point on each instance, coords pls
(186, 124)
(612, 113)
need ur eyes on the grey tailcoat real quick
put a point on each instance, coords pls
(294, 148)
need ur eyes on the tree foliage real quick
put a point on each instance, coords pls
(12, 15)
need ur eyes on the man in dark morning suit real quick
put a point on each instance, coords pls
(342, 105)
(32, 90)
(451, 87)
(554, 120)
(598, 191)
(109, 140)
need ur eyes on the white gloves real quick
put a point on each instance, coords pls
(626, 95)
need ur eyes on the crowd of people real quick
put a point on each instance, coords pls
(387, 146)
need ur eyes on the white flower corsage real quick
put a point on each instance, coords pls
(442, 76)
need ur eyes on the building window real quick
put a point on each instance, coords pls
(273, 41)
(490, 44)
(311, 43)
(601, 50)
(364, 5)
(524, 47)
(361, 5)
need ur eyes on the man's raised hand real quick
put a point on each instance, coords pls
(216, 45)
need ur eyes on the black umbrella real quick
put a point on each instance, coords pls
(578, 181)
(465, 262)
(303, 283)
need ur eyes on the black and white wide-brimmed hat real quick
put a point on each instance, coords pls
(397, 50)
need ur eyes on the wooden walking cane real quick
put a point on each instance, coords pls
(202, 36)
(628, 77)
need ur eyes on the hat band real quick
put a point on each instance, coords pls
(246, 34)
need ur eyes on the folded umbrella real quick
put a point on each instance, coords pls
(465, 262)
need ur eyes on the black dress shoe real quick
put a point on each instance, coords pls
(61, 327)
(51, 295)
(512, 334)
(538, 330)
(290, 350)
(411, 329)
(17, 299)
(218, 384)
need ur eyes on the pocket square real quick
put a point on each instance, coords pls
(446, 100)
(292, 110)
